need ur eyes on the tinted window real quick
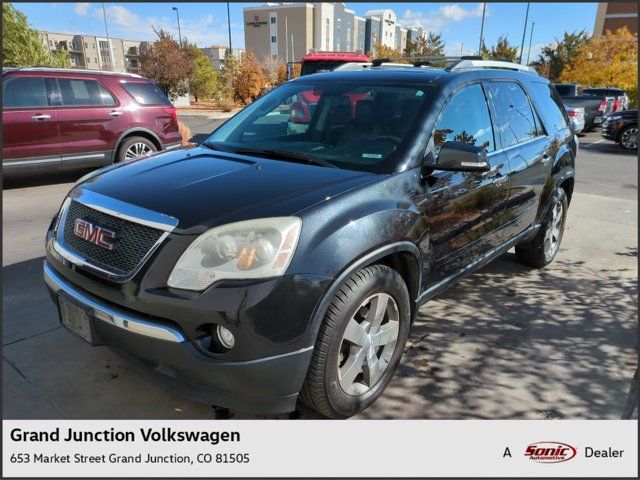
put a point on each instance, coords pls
(24, 92)
(309, 68)
(565, 90)
(146, 93)
(76, 92)
(550, 105)
(515, 122)
(466, 119)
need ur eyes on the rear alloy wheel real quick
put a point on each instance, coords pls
(135, 147)
(542, 249)
(629, 138)
(360, 343)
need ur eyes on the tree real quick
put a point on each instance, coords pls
(555, 56)
(270, 66)
(608, 60)
(430, 45)
(203, 83)
(502, 50)
(248, 79)
(22, 46)
(169, 64)
(227, 78)
(382, 51)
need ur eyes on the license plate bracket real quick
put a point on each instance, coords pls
(78, 320)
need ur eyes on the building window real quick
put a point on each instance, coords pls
(85, 45)
(273, 39)
(273, 19)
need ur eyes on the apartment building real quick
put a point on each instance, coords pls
(217, 55)
(98, 53)
(615, 15)
(288, 31)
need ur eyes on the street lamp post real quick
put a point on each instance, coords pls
(229, 26)
(524, 32)
(533, 24)
(106, 30)
(179, 31)
(484, 9)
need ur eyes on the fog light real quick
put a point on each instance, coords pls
(225, 337)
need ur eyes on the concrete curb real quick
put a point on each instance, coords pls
(210, 116)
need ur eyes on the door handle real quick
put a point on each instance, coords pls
(40, 116)
(116, 113)
(545, 159)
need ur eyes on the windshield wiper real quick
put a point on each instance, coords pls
(212, 146)
(285, 155)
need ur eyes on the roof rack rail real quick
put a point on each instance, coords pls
(425, 60)
(73, 70)
(467, 63)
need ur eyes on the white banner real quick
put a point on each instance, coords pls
(368, 448)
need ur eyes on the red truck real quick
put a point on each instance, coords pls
(317, 62)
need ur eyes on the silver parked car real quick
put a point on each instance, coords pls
(577, 117)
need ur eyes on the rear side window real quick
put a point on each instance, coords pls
(466, 119)
(565, 90)
(24, 92)
(146, 93)
(515, 120)
(550, 105)
(86, 93)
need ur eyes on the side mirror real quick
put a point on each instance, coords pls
(462, 157)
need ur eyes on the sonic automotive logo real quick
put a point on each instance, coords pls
(550, 452)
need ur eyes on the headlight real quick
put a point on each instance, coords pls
(251, 249)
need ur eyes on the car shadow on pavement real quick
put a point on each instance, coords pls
(511, 342)
(508, 342)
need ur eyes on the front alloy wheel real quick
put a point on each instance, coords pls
(368, 343)
(360, 343)
(629, 138)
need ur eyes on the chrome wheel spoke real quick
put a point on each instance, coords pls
(137, 149)
(377, 310)
(354, 333)
(350, 370)
(374, 370)
(387, 334)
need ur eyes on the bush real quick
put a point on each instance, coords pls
(248, 79)
(227, 104)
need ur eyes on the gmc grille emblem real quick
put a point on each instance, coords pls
(101, 236)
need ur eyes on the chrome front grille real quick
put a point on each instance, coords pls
(133, 243)
(138, 233)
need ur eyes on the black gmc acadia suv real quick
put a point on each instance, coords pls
(271, 263)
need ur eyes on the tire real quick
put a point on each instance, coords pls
(628, 138)
(325, 389)
(143, 145)
(537, 252)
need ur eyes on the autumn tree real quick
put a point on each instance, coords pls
(204, 80)
(248, 79)
(555, 56)
(270, 66)
(22, 46)
(382, 51)
(227, 77)
(502, 50)
(169, 64)
(611, 59)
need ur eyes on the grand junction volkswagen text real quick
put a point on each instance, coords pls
(286, 256)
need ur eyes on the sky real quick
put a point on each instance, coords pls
(206, 23)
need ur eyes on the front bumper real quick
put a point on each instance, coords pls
(162, 350)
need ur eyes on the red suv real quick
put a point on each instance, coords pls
(58, 119)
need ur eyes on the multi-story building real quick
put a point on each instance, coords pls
(98, 53)
(217, 55)
(283, 31)
(615, 15)
(386, 27)
(288, 31)
(414, 34)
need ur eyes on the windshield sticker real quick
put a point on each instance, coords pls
(371, 155)
(419, 93)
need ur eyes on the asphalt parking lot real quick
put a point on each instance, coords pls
(508, 342)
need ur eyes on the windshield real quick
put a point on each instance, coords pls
(353, 126)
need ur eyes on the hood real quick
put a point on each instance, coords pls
(204, 189)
